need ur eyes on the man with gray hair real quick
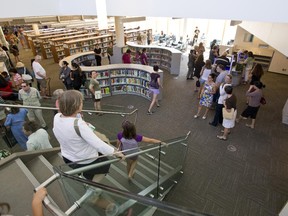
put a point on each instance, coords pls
(40, 74)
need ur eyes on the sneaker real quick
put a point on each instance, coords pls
(204, 117)
(149, 113)
(196, 116)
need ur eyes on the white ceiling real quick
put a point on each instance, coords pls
(249, 10)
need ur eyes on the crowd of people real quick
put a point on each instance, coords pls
(214, 86)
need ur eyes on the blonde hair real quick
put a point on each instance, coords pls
(70, 102)
(57, 93)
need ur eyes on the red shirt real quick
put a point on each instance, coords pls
(126, 58)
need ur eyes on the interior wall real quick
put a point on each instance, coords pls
(253, 46)
(279, 63)
(274, 34)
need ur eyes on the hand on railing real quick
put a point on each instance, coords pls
(119, 154)
(38, 197)
(164, 144)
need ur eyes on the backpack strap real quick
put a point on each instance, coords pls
(76, 127)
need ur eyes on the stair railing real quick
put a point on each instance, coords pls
(73, 172)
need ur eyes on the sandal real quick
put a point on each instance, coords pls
(221, 137)
(250, 126)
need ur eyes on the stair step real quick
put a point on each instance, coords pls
(20, 184)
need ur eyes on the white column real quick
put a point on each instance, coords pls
(36, 29)
(119, 28)
(101, 14)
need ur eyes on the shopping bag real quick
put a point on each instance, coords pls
(9, 139)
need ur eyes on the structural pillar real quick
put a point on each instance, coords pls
(120, 41)
(101, 14)
(36, 29)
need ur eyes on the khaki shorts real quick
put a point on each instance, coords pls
(42, 82)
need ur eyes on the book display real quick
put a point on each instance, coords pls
(166, 58)
(116, 78)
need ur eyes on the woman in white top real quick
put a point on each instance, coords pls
(205, 72)
(79, 143)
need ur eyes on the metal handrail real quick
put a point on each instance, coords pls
(54, 108)
(82, 169)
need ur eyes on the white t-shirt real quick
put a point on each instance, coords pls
(74, 147)
(38, 140)
(222, 92)
(37, 68)
(206, 73)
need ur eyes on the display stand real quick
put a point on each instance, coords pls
(116, 78)
(166, 58)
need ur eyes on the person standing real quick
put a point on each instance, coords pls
(65, 75)
(229, 106)
(110, 51)
(31, 97)
(95, 89)
(126, 57)
(196, 34)
(40, 74)
(98, 53)
(254, 94)
(127, 141)
(78, 77)
(249, 61)
(191, 64)
(155, 83)
(218, 117)
(143, 58)
(38, 138)
(206, 96)
(15, 121)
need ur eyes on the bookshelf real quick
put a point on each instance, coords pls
(45, 45)
(166, 58)
(87, 44)
(116, 79)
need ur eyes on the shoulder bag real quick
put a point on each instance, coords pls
(228, 115)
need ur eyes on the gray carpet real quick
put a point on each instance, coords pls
(249, 181)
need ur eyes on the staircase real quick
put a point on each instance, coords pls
(158, 170)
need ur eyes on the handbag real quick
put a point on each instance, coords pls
(263, 101)
(228, 115)
(9, 138)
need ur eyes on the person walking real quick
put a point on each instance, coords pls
(31, 97)
(95, 89)
(127, 142)
(110, 51)
(155, 83)
(40, 74)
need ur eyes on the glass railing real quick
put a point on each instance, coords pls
(158, 169)
(109, 123)
(90, 198)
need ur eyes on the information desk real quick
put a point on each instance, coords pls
(166, 58)
(116, 78)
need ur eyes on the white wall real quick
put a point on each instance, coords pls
(274, 34)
